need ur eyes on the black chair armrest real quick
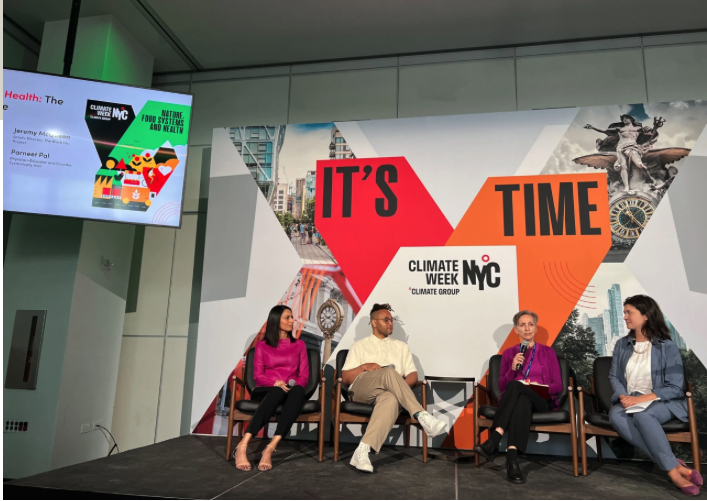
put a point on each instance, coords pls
(239, 380)
(418, 384)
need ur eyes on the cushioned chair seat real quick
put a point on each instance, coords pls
(602, 421)
(250, 406)
(552, 417)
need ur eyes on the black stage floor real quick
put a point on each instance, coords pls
(194, 467)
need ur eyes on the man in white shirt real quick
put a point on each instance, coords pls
(380, 371)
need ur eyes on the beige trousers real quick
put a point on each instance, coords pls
(388, 392)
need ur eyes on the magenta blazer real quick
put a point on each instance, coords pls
(546, 357)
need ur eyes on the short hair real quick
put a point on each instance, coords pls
(379, 307)
(516, 317)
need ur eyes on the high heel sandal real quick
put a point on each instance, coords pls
(243, 466)
(266, 467)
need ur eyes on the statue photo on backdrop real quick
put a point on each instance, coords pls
(641, 161)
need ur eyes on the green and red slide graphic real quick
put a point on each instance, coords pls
(136, 151)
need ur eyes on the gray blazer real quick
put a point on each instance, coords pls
(667, 373)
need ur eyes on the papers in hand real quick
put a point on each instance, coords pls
(542, 390)
(639, 407)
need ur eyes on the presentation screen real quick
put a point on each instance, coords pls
(94, 150)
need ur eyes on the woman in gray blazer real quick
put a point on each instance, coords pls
(647, 377)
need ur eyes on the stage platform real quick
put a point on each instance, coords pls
(194, 467)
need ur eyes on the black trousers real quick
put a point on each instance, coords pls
(272, 396)
(515, 412)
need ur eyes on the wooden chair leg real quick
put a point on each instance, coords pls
(337, 430)
(241, 425)
(229, 439)
(582, 433)
(573, 429)
(476, 456)
(696, 454)
(321, 437)
(477, 430)
(694, 436)
(407, 436)
(598, 441)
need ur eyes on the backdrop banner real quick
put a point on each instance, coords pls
(457, 222)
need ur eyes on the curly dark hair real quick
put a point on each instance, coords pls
(655, 326)
(378, 307)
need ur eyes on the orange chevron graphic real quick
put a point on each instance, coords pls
(560, 242)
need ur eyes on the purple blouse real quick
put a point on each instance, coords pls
(545, 370)
(287, 361)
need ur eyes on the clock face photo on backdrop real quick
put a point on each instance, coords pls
(330, 317)
(629, 216)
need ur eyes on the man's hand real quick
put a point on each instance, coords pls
(370, 367)
(281, 384)
(518, 359)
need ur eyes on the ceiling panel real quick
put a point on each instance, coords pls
(235, 33)
(228, 33)
(32, 14)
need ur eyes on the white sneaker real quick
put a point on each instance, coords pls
(360, 459)
(431, 424)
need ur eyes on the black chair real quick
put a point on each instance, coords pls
(348, 411)
(597, 423)
(559, 421)
(242, 410)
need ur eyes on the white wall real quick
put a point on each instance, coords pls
(39, 274)
(90, 370)
(158, 345)
(148, 400)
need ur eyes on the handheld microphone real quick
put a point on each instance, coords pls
(291, 383)
(523, 347)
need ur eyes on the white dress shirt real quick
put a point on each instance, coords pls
(388, 351)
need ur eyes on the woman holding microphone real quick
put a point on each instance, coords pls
(279, 360)
(537, 364)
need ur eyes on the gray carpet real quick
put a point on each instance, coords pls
(194, 467)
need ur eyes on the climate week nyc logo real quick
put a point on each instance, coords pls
(457, 273)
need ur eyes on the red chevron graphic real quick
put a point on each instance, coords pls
(367, 208)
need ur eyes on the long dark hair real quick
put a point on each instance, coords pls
(655, 326)
(272, 327)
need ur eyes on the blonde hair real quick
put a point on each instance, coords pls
(516, 317)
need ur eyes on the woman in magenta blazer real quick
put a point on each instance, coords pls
(518, 402)
(281, 373)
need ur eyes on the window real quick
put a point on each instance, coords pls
(339, 140)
